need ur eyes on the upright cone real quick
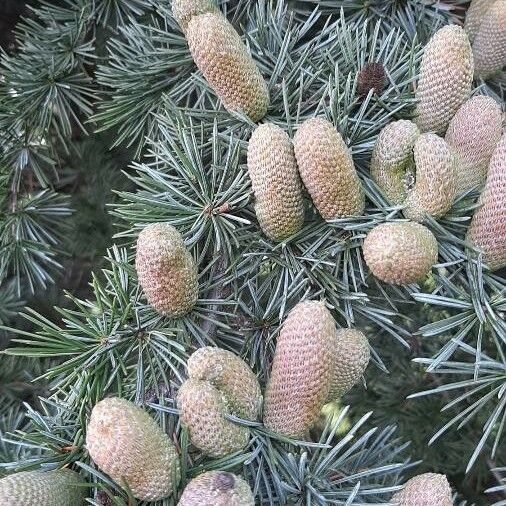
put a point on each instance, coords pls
(352, 357)
(417, 170)
(231, 375)
(302, 372)
(217, 488)
(166, 270)
(427, 489)
(474, 17)
(489, 47)
(327, 170)
(473, 134)
(275, 180)
(400, 253)
(184, 10)
(223, 59)
(392, 163)
(219, 384)
(446, 77)
(38, 488)
(436, 179)
(488, 226)
(127, 444)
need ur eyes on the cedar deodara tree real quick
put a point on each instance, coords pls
(252, 253)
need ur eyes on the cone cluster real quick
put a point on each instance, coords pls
(166, 270)
(429, 489)
(486, 27)
(313, 364)
(217, 488)
(219, 384)
(222, 57)
(400, 253)
(37, 488)
(415, 167)
(320, 157)
(125, 442)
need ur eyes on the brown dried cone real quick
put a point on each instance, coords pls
(446, 77)
(184, 10)
(166, 270)
(204, 413)
(436, 179)
(219, 384)
(429, 489)
(489, 47)
(217, 488)
(392, 164)
(275, 180)
(231, 376)
(39, 488)
(302, 370)
(474, 16)
(400, 253)
(223, 59)
(127, 444)
(371, 77)
(351, 361)
(473, 134)
(488, 226)
(327, 170)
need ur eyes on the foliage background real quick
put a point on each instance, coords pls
(95, 80)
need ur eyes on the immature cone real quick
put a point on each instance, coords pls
(429, 489)
(488, 226)
(219, 384)
(351, 361)
(39, 488)
(473, 134)
(275, 180)
(402, 155)
(400, 253)
(489, 48)
(327, 170)
(223, 59)
(184, 10)
(127, 444)
(166, 270)
(217, 488)
(371, 77)
(436, 179)
(302, 372)
(231, 375)
(446, 77)
(392, 161)
(474, 16)
(204, 413)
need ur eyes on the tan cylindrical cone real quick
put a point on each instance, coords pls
(487, 230)
(276, 183)
(446, 77)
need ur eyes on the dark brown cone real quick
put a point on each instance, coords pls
(371, 77)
